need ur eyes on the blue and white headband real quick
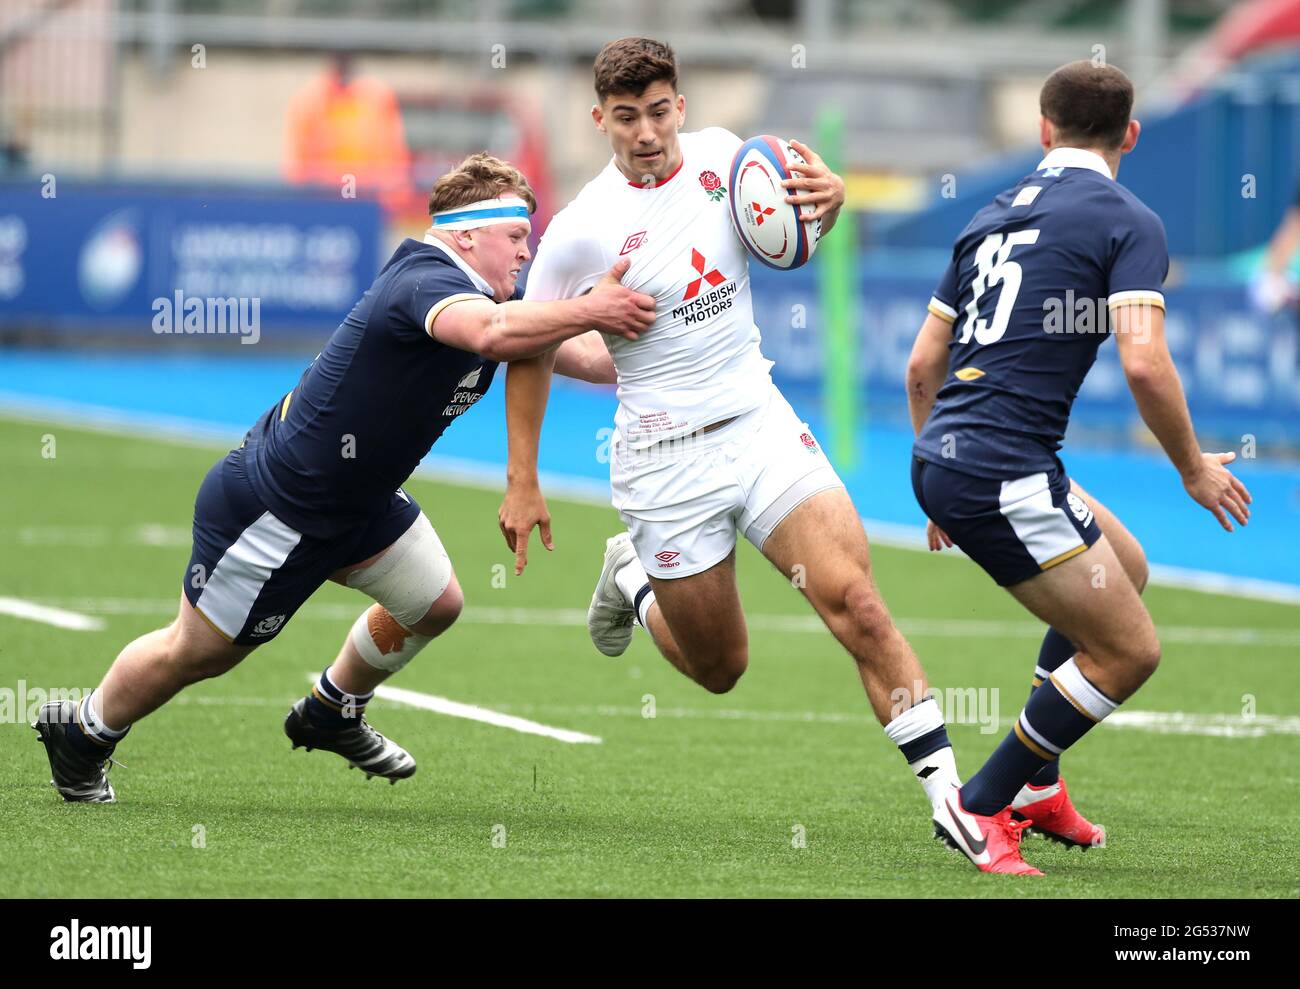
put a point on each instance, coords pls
(481, 214)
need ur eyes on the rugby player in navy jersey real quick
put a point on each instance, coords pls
(314, 491)
(1013, 329)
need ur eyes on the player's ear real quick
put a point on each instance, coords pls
(681, 109)
(1045, 135)
(598, 115)
(1130, 137)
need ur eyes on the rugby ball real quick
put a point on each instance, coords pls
(768, 226)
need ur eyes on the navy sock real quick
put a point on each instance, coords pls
(334, 709)
(928, 744)
(1058, 714)
(83, 744)
(89, 735)
(638, 601)
(1054, 651)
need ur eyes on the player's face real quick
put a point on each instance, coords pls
(499, 252)
(642, 131)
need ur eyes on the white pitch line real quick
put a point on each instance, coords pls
(1159, 722)
(1214, 725)
(472, 712)
(58, 617)
(958, 628)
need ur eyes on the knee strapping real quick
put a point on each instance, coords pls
(412, 575)
(383, 641)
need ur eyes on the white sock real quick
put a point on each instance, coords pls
(940, 768)
(91, 718)
(632, 581)
(630, 578)
(937, 771)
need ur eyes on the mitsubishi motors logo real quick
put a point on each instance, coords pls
(714, 277)
(760, 212)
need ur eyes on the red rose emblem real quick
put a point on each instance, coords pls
(710, 181)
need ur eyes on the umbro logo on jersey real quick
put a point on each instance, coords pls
(470, 380)
(668, 558)
(633, 242)
(267, 626)
(714, 277)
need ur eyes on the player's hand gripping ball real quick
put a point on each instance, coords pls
(769, 227)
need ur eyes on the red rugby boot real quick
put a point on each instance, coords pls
(1047, 810)
(991, 843)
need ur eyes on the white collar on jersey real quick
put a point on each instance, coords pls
(474, 276)
(1075, 158)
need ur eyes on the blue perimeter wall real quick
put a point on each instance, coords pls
(226, 393)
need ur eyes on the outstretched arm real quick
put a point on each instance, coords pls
(516, 330)
(1153, 379)
(528, 385)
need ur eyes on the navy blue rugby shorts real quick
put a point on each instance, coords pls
(249, 572)
(1013, 528)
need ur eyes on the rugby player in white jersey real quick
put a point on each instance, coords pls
(705, 446)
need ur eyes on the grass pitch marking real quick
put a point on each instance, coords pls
(1160, 722)
(58, 617)
(471, 712)
(146, 534)
(958, 628)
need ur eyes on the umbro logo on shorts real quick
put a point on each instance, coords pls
(667, 558)
(268, 625)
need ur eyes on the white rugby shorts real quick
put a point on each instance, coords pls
(684, 500)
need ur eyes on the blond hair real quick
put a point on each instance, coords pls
(478, 177)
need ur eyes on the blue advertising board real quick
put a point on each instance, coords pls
(150, 260)
(1240, 370)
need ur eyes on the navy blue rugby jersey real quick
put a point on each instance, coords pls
(373, 402)
(1028, 293)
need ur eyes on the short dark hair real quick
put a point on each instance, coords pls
(630, 65)
(1089, 104)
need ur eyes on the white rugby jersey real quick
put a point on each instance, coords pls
(700, 362)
